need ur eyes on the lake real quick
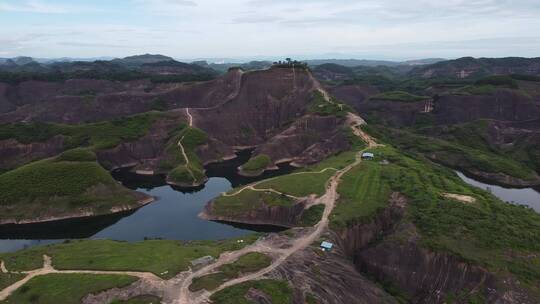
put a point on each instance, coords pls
(522, 196)
(173, 216)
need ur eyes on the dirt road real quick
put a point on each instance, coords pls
(177, 289)
(252, 186)
(328, 199)
(49, 269)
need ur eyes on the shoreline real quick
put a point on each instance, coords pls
(80, 215)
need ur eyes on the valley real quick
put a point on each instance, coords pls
(221, 189)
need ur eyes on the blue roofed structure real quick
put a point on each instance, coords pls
(368, 155)
(326, 245)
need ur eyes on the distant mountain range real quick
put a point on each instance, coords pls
(372, 63)
(148, 58)
(165, 67)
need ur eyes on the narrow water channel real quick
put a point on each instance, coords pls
(523, 196)
(174, 214)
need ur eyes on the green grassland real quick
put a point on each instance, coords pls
(399, 96)
(248, 200)
(312, 215)
(489, 85)
(65, 288)
(59, 186)
(7, 279)
(362, 191)
(321, 106)
(455, 154)
(78, 155)
(475, 135)
(257, 164)
(247, 263)
(278, 291)
(312, 181)
(175, 163)
(163, 258)
(100, 135)
(299, 185)
(479, 232)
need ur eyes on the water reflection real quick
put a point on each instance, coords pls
(524, 196)
(174, 214)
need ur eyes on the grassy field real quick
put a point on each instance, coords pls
(312, 215)
(362, 191)
(248, 200)
(257, 164)
(400, 96)
(479, 232)
(63, 185)
(454, 154)
(163, 258)
(475, 135)
(338, 162)
(77, 155)
(296, 185)
(320, 106)
(247, 263)
(176, 164)
(278, 291)
(6, 279)
(65, 288)
(101, 135)
(299, 185)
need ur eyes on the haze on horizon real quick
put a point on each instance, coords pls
(306, 29)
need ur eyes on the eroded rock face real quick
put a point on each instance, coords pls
(308, 140)
(329, 277)
(389, 250)
(263, 109)
(502, 105)
(88, 100)
(281, 216)
(16, 154)
(430, 277)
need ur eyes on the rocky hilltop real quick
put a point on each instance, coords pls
(172, 129)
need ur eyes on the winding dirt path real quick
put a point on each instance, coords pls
(190, 117)
(49, 269)
(184, 154)
(252, 186)
(178, 287)
(3, 268)
(328, 199)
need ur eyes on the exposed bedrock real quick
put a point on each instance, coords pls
(308, 140)
(143, 154)
(139, 288)
(265, 103)
(502, 105)
(281, 216)
(16, 154)
(89, 100)
(389, 250)
(330, 277)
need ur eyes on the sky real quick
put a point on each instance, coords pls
(269, 29)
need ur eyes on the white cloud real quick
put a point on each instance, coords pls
(41, 7)
(216, 28)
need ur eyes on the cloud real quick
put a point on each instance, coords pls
(42, 7)
(166, 7)
(92, 44)
(256, 19)
(216, 28)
